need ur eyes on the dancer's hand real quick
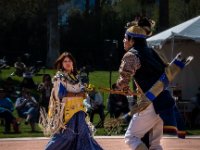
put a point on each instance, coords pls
(127, 91)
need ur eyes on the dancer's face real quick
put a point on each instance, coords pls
(67, 64)
(127, 43)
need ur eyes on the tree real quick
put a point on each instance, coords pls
(53, 33)
(22, 28)
(163, 14)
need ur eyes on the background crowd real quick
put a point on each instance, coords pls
(26, 97)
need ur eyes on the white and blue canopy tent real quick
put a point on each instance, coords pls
(184, 38)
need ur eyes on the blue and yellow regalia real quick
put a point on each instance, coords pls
(66, 118)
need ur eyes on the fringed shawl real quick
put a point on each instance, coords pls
(53, 121)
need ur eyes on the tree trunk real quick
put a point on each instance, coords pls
(163, 14)
(53, 33)
(87, 7)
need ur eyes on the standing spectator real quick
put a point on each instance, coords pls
(94, 103)
(6, 109)
(27, 107)
(117, 104)
(45, 89)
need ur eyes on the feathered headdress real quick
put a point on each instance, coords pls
(141, 27)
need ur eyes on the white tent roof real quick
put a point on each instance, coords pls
(189, 29)
(182, 38)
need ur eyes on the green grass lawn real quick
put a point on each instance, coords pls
(98, 78)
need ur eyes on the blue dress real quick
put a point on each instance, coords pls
(77, 134)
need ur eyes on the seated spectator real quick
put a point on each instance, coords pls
(9, 87)
(84, 75)
(117, 104)
(20, 67)
(45, 89)
(27, 81)
(6, 109)
(94, 104)
(27, 107)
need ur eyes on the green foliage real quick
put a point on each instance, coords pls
(11, 10)
(111, 23)
(127, 10)
(181, 11)
(23, 27)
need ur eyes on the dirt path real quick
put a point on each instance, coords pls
(108, 143)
